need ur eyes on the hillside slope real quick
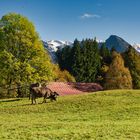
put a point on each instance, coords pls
(117, 42)
(63, 88)
(101, 115)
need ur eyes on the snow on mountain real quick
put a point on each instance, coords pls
(113, 41)
(137, 47)
(53, 45)
(99, 41)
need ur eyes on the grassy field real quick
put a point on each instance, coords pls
(106, 115)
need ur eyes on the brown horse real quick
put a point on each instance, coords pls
(45, 92)
(32, 86)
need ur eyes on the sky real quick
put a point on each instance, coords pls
(70, 19)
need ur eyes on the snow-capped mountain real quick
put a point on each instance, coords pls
(113, 41)
(53, 45)
(137, 47)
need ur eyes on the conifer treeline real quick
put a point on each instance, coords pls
(82, 60)
(89, 63)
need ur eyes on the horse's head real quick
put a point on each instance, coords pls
(55, 93)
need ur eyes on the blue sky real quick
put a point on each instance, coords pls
(70, 19)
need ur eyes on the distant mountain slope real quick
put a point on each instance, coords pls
(137, 47)
(53, 45)
(113, 41)
(117, 42)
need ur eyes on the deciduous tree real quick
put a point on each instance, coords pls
(22, 55)
(118, 76)
(132, 61)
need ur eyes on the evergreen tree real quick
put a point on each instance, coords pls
(118, 76)
(77, 64)
(91, 60)
(82, 60)
(64, 58)
(113, 49)
(105, 54)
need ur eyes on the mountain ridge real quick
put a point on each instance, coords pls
(117, 42)
(53, 45)
(114, 41)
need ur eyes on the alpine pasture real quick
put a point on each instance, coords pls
(104, 115)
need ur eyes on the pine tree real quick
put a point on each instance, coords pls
(82, 60)
(91, 60)
(64, 58)
(77, 64)
(105, 54)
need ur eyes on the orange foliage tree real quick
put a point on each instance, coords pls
(118, 76)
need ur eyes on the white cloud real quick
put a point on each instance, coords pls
(87, 15)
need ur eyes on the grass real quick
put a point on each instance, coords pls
(106, 115)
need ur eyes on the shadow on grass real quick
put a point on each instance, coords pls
(30, 104)
(10, 100)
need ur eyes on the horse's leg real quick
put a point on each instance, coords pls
(32, 100)
(29, 96)
(44, 100)
(35, 100)
(51, 99)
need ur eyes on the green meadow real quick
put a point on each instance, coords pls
(105, 115)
